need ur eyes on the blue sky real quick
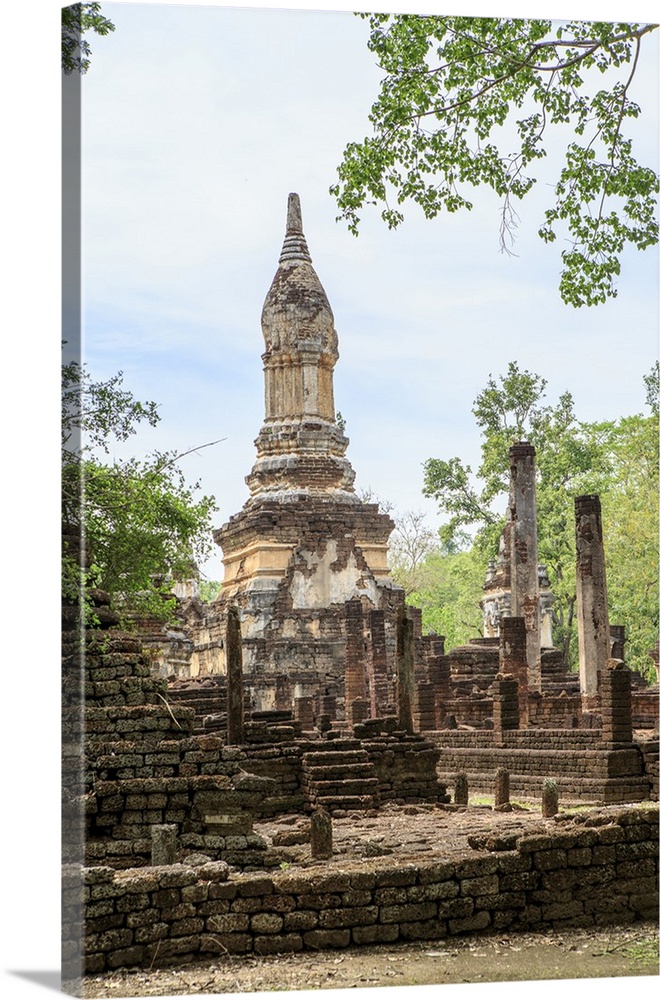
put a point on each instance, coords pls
(197, 122)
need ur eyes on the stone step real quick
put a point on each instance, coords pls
(330, 772)
(340, 789)
(348, 802)
(338, 757)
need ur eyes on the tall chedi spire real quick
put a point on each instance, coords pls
(300, 446)
(304, 543)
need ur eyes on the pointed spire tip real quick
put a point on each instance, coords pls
(294, 215)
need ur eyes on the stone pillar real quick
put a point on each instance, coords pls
(524, 554)
(549, 798)
(439, 671)
(616, 703)
(163, 843)
(234, 677)
(321, 834)
(513, 661)
(405, 669)
(355, 683)
(282, 693)
(461, 791)
(618, 642)
(328, 706)
(303, 712)
(502, 786)
(424, 708)
(593, 623)
(378, 686)
(505, 706)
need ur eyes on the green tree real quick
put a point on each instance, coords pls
(411, 544)
(466, 102)
(76, 20)
(616, 459)
(138, 519)
(630, 529)
(209, 590)
(448, 589)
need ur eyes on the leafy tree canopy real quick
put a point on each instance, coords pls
(473, 101)
(448, 586)
(616, 459)
(76, 20)
(139, 519)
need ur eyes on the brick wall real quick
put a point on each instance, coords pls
(598, 869)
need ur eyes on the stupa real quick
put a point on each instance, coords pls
(304, 543)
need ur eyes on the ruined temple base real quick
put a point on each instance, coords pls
(585, 769)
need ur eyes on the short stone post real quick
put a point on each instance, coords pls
(616, 703)
(591, 589)
(163, 843)
(461, 789)
(502, 789)
(525, 601)
(321, 834)
(550, 798)
(513, 661)
(377, 662)
(405, 669)
(234, 655)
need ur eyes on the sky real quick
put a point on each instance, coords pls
(185, 177)
(423, 316)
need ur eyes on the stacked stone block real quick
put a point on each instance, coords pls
(505, 706)
(341, 778)
(379, 686)
(513, 661)
(424, 707)
(616, 703)
(585, 768)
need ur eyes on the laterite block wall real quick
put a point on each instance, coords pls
(601, 868)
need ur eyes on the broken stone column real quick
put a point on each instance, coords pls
(618, 642)
(461, 792)
(424, 707)
(591, 586)
(501, 788)
(513, 660)
(524, 554)
(163, 843)
(282, 693)
(439, 671)
(328, 706)
(405, 669)
(321, 834)
(355, 684)
(234, 654)
(505, 706)
(549, 798)
(378, 685)
(303, 712)
(616, 703)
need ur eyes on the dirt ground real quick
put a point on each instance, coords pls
(573, 954)
(407, 832)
